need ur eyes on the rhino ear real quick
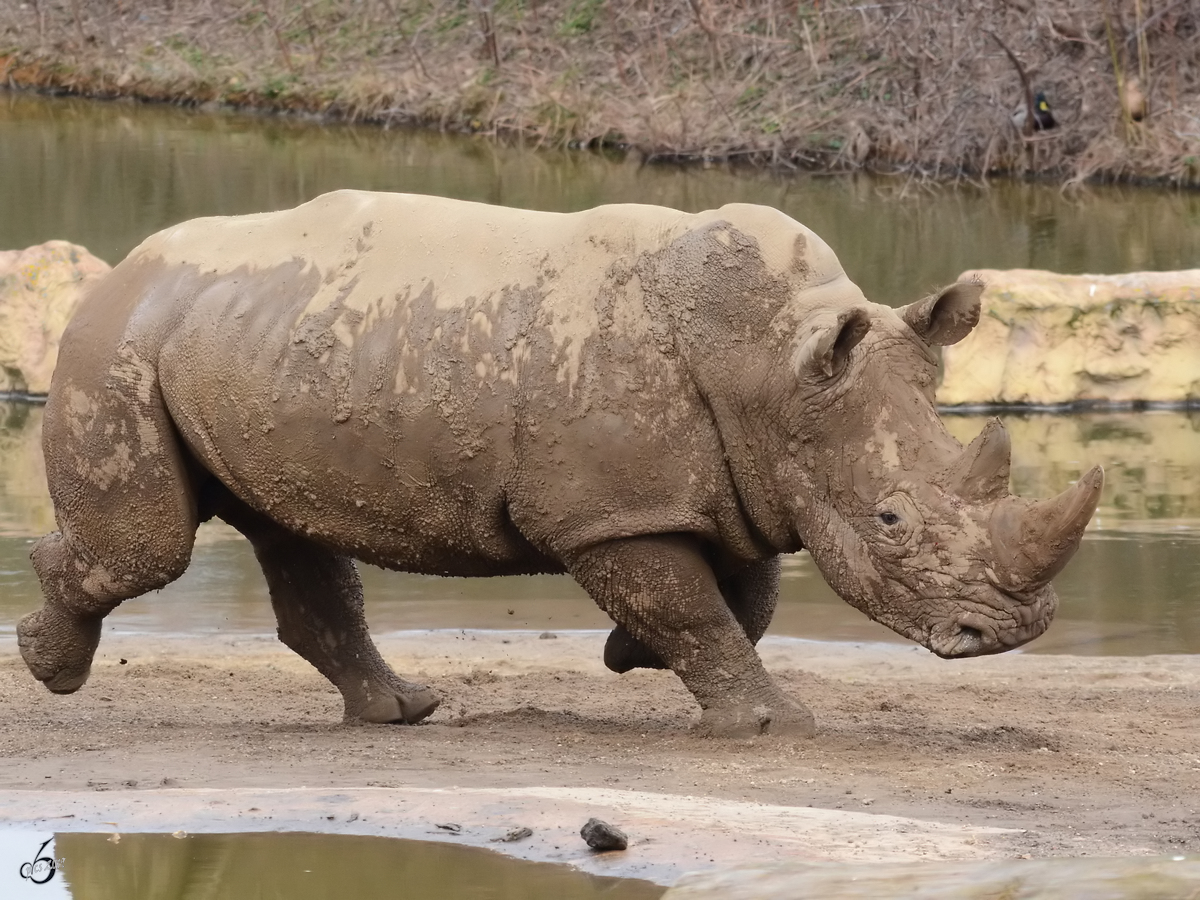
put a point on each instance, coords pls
(826, 350)
(948, 316)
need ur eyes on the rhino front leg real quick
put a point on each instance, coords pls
(751, 594)
(664, 594)
(318, 601)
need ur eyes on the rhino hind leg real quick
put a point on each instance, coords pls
(750, 593)
(318, 601)
(664, 594)
(126, 511)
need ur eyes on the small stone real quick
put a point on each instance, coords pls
(601, 836)
(547, 636)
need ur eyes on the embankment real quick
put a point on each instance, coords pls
(926, 88)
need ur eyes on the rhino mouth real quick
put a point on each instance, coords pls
(980, 629)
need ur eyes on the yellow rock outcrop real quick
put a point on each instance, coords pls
(40, 287)
(1045, 338)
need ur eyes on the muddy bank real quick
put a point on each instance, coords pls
(926, 88)
(998, 757)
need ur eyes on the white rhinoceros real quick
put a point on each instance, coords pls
(655, 402)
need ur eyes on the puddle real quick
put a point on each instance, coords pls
(289, 866)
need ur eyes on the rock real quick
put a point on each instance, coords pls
(40, 287)
(601, 836)
(1046, 879)
(1048, 339)
(547, 636)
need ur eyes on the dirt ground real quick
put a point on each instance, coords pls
(999, 757)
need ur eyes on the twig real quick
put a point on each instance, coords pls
(706, 26)
(1027, 126)
(485, 10)
(274, 26)
(1117, 70)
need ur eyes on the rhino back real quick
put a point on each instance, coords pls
(424, 383)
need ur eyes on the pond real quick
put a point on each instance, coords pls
(106, 175)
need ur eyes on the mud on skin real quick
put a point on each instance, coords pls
(655, 402)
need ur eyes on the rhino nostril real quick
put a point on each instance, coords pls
(969, 640)
(969, 633)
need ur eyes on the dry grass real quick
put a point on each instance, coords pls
(919, 87)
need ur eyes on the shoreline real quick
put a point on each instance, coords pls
(916, 758)
(838, 88)
(670, 834)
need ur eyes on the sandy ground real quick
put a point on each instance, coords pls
(917, 758)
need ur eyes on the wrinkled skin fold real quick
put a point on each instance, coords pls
(657, 403)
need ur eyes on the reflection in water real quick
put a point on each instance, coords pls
(1133, 588)
(1151, 462)
(25, 508)
(301, 866)
(107, 175)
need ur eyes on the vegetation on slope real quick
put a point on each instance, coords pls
(928, 87)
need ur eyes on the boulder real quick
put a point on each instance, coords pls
(1049, 339)
(40, 287)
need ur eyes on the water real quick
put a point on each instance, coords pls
(1133, 587)
(108, 174)
(288, 866)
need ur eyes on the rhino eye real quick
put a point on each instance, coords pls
(888, 518)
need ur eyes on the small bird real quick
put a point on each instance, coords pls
(1043, 119)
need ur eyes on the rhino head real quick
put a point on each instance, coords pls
(905, 523)
(825, 407)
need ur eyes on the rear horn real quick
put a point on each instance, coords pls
(981, 472)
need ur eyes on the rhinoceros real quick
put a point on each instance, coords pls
(657, 403)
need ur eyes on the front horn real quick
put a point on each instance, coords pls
(1034, 539)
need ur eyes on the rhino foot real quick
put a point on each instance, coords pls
(58, 647)
(403, 704)
(740, 720)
